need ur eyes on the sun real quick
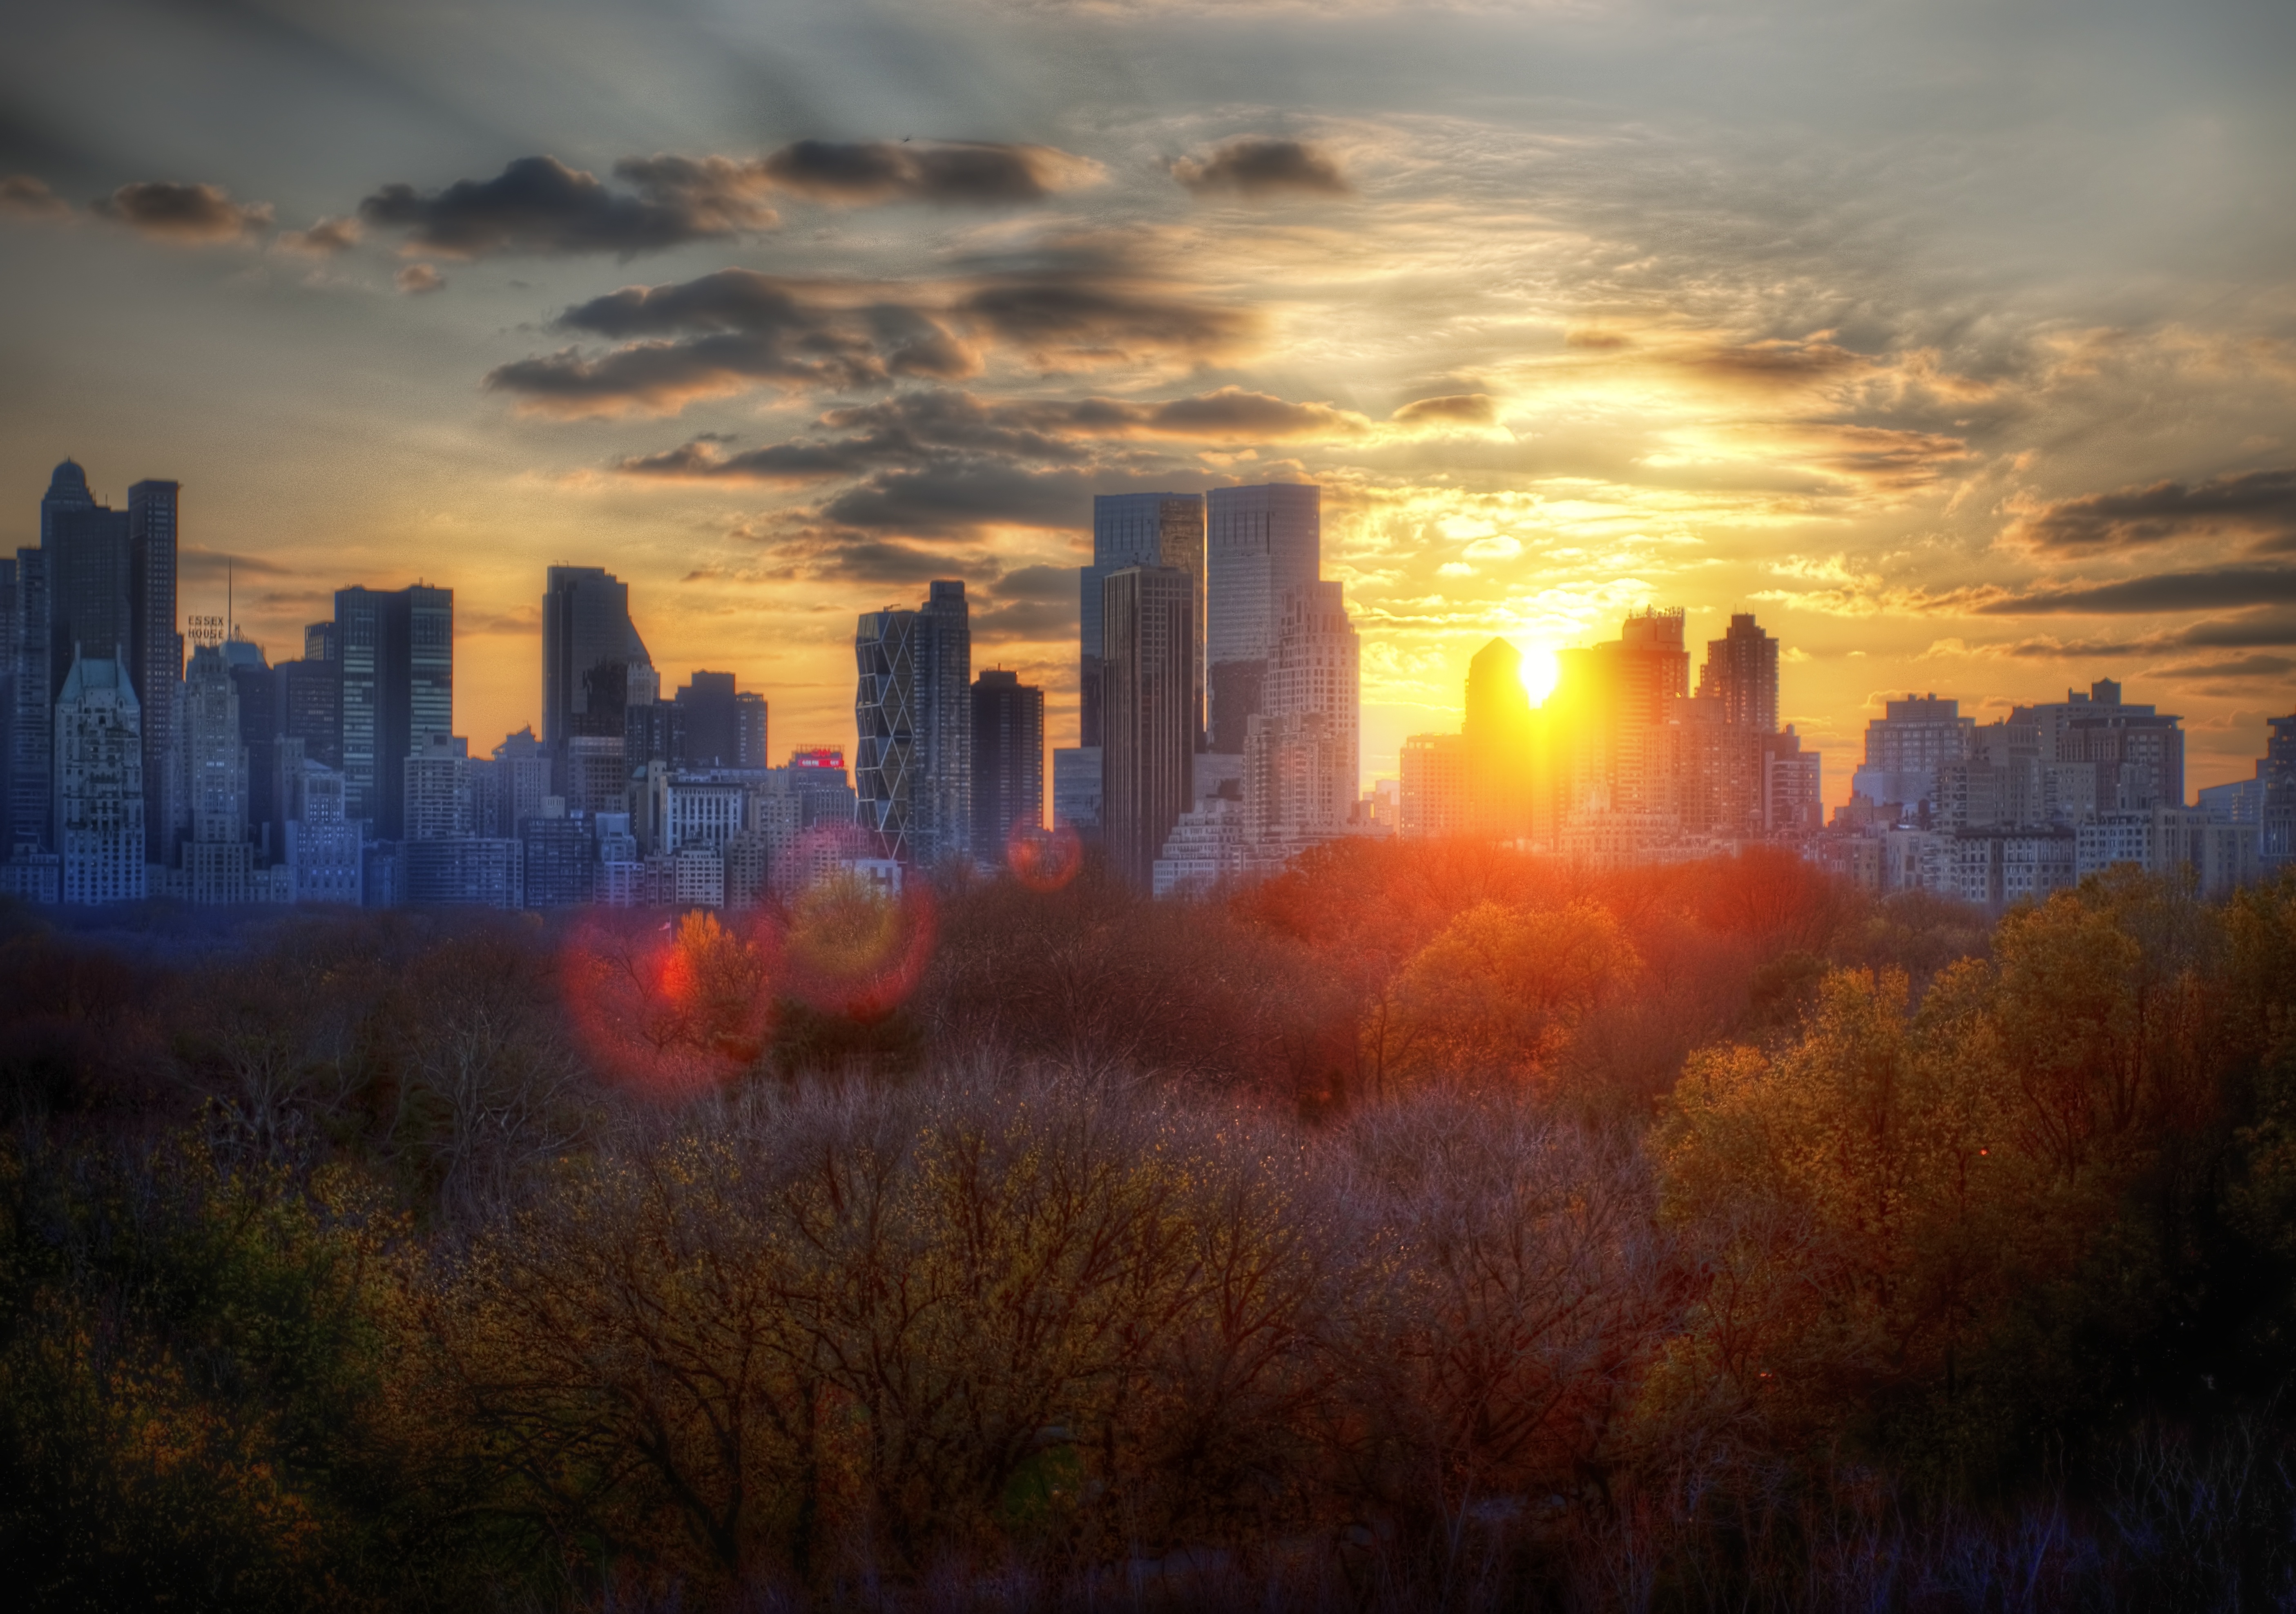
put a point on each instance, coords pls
(1538, 671)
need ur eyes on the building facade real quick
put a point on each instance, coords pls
(1148, 731)
(1008, 760)
(913, 711)
(1261, 544)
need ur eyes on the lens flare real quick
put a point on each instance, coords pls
(1044, 860)
(671, 1008)
(1539, 670)
(854, 948)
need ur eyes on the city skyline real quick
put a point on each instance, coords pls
(1978, 378)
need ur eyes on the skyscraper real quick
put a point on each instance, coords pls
(1261, 543)
(1148, 733)
(1303, 752)
(712, 721)
(586, 623)
(155, 655)
(1008, 760)
(99, 771)
(1741, 672)
(1135, 530)
(396, 653)
(750, 729)
(913, 711)
(32, 788)
(215, 758)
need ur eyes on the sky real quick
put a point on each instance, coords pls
(1955, 340)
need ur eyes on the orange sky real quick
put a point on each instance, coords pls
(1958, 347)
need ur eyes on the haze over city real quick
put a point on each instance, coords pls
(1953, 340)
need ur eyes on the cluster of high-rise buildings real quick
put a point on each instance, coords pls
(1621, 762)
(1220, 734)
(129, 769)
(2006, 811)
(1219, 713)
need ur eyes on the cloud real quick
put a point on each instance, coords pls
(976, 173)
(539, 205)
(1259, 166)
(932, 423)
(732, 330)
(325, 238)
(1459, 409)
(415, 279)
(2260, 504)
(190, 215)
(736, 328)
(26, 197)
(2259, 630)
(2243, 666)
(2210, 588)
(1091, 321)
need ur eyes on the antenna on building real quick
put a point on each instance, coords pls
(230, 611)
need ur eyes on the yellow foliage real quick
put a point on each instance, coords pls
(1502, 988)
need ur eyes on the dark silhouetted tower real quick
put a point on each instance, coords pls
(1148, 733)
(1008, 760)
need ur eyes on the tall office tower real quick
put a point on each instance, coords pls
(1147, 731)
(11, 637)
(913, 709)
(1793, 785)
(1303, 754)
(1604, 749)
(1908, 746)
(215, 759)
(1741, 672)
(1135, 530)
(2276, 769)
(1261, 544)
(1078, 789)
(1495, 742)
(31, 738)
(257, 686)
(319, 642)
(321, 844)
(750, 730)
(99, 771)
(396, 651)
(310, 708)
(586, 624)
(1008, 760)
(523, 777)
(712, 721)
(439, 800)
(1437, 788)
(155, 657)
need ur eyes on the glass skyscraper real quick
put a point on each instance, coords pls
(1261, 544)
(396, 654)
(1136, 529)
(913, 711)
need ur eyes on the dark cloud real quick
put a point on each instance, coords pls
(1596, 342)
(934, 424)
(324, 239)
(539, 205)
(956, 172)
(2243, 666)
(2259, 630)
(2211, 588)
(415, 279)
(1463, 409)
(1774, 362)
(26, 197)
(194, 215)
(734, 329)
(1089, 321)
(2260, 504)
(961, 498)
(737, 328)
(1257, 167)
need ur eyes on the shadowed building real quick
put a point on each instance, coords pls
(396, 654)
(1008, 760)
(913, 711)
(1135, 530)
(1148, 733)
(99, 773)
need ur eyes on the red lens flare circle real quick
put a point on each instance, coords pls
(854, 945)
(1041, 859)
(671, 1007)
